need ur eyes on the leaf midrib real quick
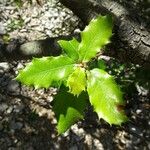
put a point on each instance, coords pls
(42, 72)
(91, 39)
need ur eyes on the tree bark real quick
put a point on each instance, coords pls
(131, 41)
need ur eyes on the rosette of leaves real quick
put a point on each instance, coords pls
(71, 69)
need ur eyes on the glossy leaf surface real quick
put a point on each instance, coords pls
(105, 96)
(70, 48)
(94, 37)
(46, 71)
(77, 81)
(68, 109)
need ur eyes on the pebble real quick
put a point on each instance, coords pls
(9, 110)
(49, 33)
(138, 111)
(13, 87)
(4, 66)
(98, 144)
(141, 90)
(23, 30)
(88, 139)
(50, 99)
(39, 28)
(4, 81)
(35, 13)
(3, 107)
(30, 48)
(135, 130)
(18, 108)
(16, 125)
(27, 20)
(2, 29)
(80, 132)
(11, 12)
(19, 66)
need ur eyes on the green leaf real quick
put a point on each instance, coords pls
(106, 97)
(46, 71)
(68, 109)
(77, 81)
(70, 47)
(94, 37)
(101, 64)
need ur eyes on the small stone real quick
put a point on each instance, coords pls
(2, 29)
(135, 130)
(54, 121)
(4, 81)
(77, 31)
(3, 107)
(50, 99)
(9, 110)
(18, 109)
(33, 24)
(63, 14)
(15, 141)
(66, 133)
(31, 48)
(4, 66)
(142, 91)
(48, 25)
(88, 139)
(98, 145)
(106, 58)
(23, 30)
(27, 20)
(16, 125)
(48, 32)
(35, 13)
(40, 28)
(138, 111)
(11, 12)
(13, 87)
(20, 66)
(80, 132)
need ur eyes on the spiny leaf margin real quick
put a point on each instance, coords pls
(105, 96)
(46, 71)
(68, 109)
(94, 37)
(70, 48)
(77, 81)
